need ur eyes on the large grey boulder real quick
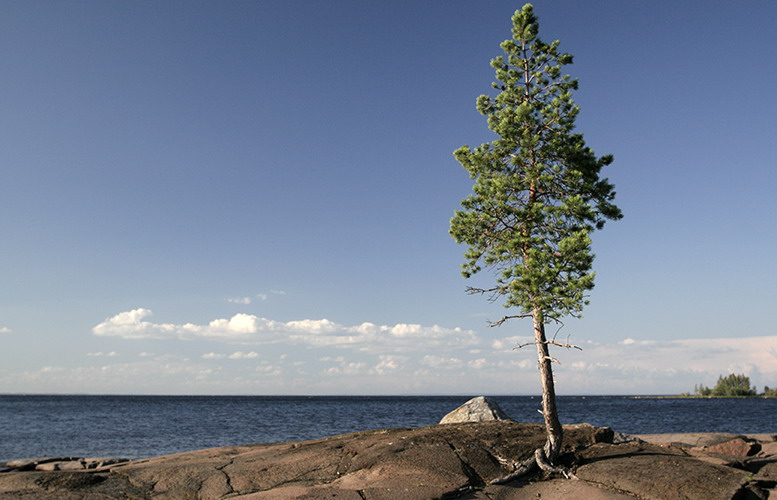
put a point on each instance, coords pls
(479, 409)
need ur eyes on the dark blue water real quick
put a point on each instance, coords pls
(146, 426)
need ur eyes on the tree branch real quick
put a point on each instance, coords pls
(472, 290)
(501, 321)
(550, 342)
(495, 292)
(566, 346)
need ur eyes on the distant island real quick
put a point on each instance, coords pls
(730, 386)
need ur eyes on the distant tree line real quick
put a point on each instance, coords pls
(732, 385)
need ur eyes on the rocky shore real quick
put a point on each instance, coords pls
(456, 460)
(443, 461)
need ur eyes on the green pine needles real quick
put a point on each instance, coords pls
(537, 195)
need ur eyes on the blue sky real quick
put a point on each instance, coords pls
(253, 197)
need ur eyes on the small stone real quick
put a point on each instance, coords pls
(736, 447)
(33, 463)
(768, 449)
(479, 409)
(68, 465)
(21, 465)
(48, 466)
(620, 437)
(96, 463)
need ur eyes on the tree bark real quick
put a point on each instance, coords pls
(552, 425)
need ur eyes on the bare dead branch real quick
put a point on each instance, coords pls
(495, 292)
(506, 318)
(566, 346)
(561, 325)
(472, 290)
(550, 342)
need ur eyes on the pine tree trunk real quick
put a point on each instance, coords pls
(552, 425)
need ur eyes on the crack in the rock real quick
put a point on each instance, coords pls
(611, 487)
(512, 464)
(474, 478)
(292, 480)
(518, 469)
(226, 476)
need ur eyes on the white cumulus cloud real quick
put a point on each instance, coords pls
(4, 329)
(130, 325)
(477, 363)
(389, 363)
(268, 369)
(250, 299)
(441, 362)
(243, 355)
(344, 366)
(234, 355)
(247, 328)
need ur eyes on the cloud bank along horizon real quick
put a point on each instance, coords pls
(427, 359)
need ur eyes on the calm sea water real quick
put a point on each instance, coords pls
(146, 426)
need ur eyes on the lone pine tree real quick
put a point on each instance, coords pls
(537, 197)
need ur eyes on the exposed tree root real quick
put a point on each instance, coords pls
(540, 459)
(521, 469)
(528, 466)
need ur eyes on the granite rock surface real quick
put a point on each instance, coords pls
(443, 461)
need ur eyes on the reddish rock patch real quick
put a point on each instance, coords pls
(736, 447)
